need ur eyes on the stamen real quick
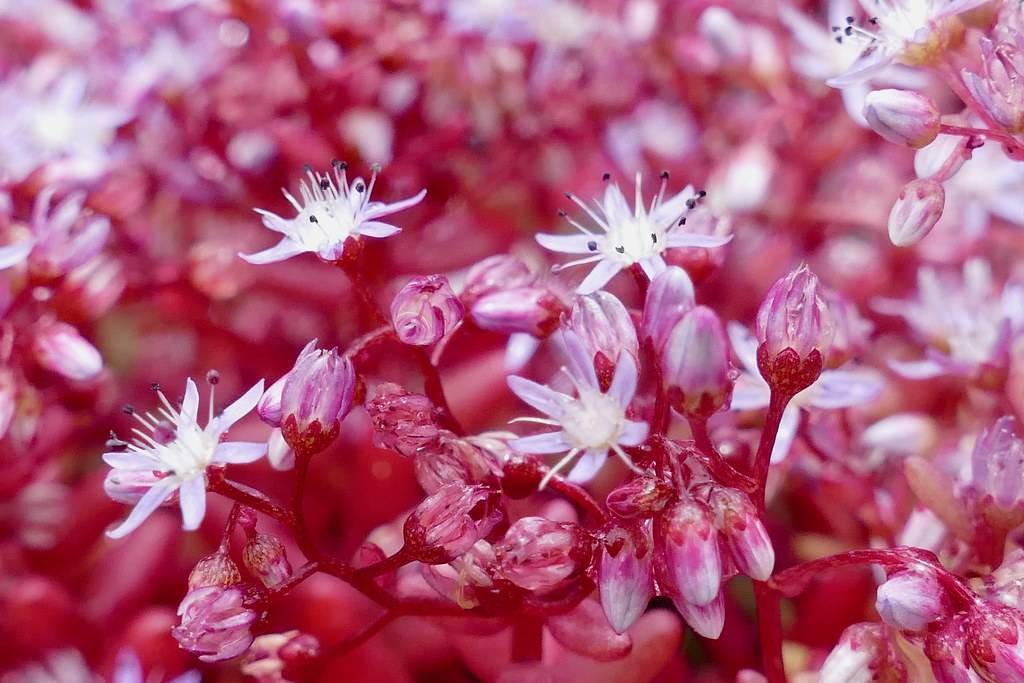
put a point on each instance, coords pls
(558, 466)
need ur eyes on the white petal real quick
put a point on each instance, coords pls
(131, 460)
(284, 249)
(623, 385)
(14, 254)
(615, 207)
(581, 363)
(519, 350)
(672, 208)
(237, 410)
(919, 369)
(745, 345)
(550, 442)
(193, 502)
(845, 388)
(749, 393)
(633, 433)
(787, 433)
(386, 209)
(604, 271)
(150, 501)
(190, 403)
(376, 229)
(239, 452)
(678, 239)
(275, 222)
(544, 399)
(587, 467)
(565, 244)
(652, 265)
(870, 62)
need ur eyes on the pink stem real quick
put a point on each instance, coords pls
(967, 131)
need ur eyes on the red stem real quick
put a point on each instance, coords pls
(387, 565)
(434, 389)
(769, 433)
(722, 470)
(579, 496)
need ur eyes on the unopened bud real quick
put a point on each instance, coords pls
(706, 620)
(402, 421)
(997, 473)
(626, 575)
(995, 642)
(215, 624)
(425, 310)
(669, 296)
(902, 117)
(688, 545)
(863, 653)
(605, 329)
(643, 496)
(217, 569)
(451, 521)
(910, 600)
(266, 558)
(737, 519)
(695, 364)
(59, 347)
(496, 273)
(916, 211)
(533, 310)
(453, 459)
(540, 555)
(279, 657)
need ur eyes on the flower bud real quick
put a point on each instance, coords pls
(997, 473)
(402, 421)
(863, 653)
(532, 310)
(687, 542)
(910, 600)
(540, 555)
(215, 624)
(794, 330)
(625, 578)
(466, 580)
(315, 397)
(945, 646)
(642, 496)
(59, 347)
(217, 569)
(454, 459)
(902, 117)
(916, 211)
(706, 620)
(450, 521)
(605, 329)
(265, 557)
(745, 535)
(995, 642)
(93, 288)
(496, 273)
(425, 310)
(695, 364)
(280, 657)
(669, 296)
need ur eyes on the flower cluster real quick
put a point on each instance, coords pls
(581, 328)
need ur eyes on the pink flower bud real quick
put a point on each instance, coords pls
(687, 542)
(643, 496)
(910, 600)
(916, 211)
(59, 347)
(215, 623)
(945, 646)
(863, 653)
(496, 273)
(540, 555)
(902, 117)
(265, 557)
(997, 473)
(315, 396)
(450, 521)
(605, 329)
(695, 364)
(280, 657)
(794, 316)
(706, 620)
(532, 310)
(93, 288)
(669, 296)
(626, 575)
(995, 642)
(425, 310)
(453, 459)
(217, 569)
(402, 421)
(745, 535)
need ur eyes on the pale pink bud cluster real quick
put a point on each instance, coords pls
(605, 329)
(997, 473)
(917, 209)
(59, 347)
(743, 532)
(425, 310)
(669, 296)
(309, 402)
(695, 364)
(541, 555)
(451, 521)
(902, 117)
(402, 421)
(911, 599)
(215, 623)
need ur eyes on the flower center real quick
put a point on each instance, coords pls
(592, 421)
(634, 240)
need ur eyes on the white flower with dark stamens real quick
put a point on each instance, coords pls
(173, 453)
(592, 423)
(331, 211)
(911, 32)
(628, 237)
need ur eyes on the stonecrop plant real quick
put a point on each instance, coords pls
(617, 341)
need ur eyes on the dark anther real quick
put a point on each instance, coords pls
(312, 219)
(664, 175)
(849, 20)
(128, 410)
(690, 203)
(702, 194)
(606, 176)
(307, 168)
(360, 187)
(592, 245)
(212, 377)
(682, 221)
(155, 386)
(562, 213)
(654, 238)
(849, 31)
(621, 249)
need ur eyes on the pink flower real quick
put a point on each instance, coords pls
(60, 348)
(331, 212)
(669, 296)
(425, 310)
(997, 473)
(592, 423)
(450, 522)
(794, 316)
(637, 236)
(540, 555)
(215, 623)
(530, 310)
(402, 421)
(66, 237)
(1000, 90)
(177, 452)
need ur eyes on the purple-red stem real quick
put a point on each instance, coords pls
(722, 470)
(579, 496)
